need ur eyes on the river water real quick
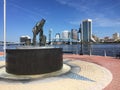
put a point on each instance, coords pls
(95, 49)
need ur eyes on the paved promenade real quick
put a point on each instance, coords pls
(1, 53)
(110, 63)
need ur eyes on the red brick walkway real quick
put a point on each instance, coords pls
(1, 53)
(110, 63)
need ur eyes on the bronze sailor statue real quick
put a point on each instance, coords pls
(38, 29)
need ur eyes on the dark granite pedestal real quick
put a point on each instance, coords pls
(32, 61)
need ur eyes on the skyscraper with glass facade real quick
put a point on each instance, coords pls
(86, 30)
(86, 36)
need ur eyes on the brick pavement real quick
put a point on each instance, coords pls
(1, 53)
(110, 63)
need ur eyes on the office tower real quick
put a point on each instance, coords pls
(66, 35)
(86, 31)
(25, 40)
(74, 34)
(116, 36)
(86, 36)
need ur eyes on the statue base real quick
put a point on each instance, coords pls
(31, 61)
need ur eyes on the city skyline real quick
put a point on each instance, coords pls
(60, 15)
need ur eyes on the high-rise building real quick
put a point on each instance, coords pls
(86, 31)
(74, 34)
(86, 36)
(65, 35)
(116, 36)
(25, 40)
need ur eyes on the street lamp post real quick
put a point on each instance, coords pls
(50, 36)
(4, 28)
(81, 50)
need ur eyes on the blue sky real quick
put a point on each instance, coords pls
(60, 15)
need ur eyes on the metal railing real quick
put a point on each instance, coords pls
(101, 51)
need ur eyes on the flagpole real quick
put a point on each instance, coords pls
(4, 28)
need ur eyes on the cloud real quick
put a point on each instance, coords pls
(75, 22)
(63, 1)
(94, 7)
(99, 22)
(33, 13)
(101, 12)
(81, 5)
(106, 22)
